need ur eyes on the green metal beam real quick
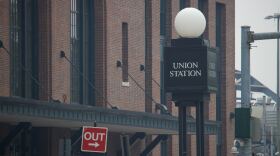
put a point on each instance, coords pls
(58, 114)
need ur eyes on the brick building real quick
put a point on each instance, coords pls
(70, 63)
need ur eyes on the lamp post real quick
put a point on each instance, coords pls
(189, 23)
(277, 17)
(190, 73)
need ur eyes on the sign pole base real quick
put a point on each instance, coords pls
(182, 130)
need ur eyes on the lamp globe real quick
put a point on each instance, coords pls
(190, 23)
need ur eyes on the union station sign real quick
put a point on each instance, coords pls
(190, 68)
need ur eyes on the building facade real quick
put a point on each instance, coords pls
(70, 63)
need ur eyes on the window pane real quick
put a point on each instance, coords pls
(76, 50)
(125, 52)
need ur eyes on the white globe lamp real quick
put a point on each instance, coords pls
(190, 23)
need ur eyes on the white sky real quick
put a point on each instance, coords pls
(263, 57)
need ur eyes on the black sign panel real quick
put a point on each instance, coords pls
(189, 69)
(212, 69)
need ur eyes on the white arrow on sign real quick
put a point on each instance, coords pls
(96, 144)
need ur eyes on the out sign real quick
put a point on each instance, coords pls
(94, 139)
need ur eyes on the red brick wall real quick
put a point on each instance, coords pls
(230, 72)
(132, 12)
(156, 50)
(148, 55)
(155, 60)
(60, 42)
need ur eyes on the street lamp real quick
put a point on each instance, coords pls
(190, 73)
(190, 23)
(277, 17)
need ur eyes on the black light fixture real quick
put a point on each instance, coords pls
(142, 67)
(62, 54)
(1, 44)
(162, 108)
(119, 63)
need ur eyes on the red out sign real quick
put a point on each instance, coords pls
(94, 139)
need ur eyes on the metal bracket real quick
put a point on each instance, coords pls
(137, 135)
(22, 126)
(250, 36)
(153, 144)
(76, 137)
(125, 145)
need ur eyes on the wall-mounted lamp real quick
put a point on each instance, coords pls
(142, 67)
(162, 108)
(62, 54)
(1, 44)
(119, 63)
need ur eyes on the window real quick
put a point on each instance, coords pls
(203, 7)
(182, 4)
(82, 53)
(76, 51)
(219, 24)
(125, 52)
(23, 46)
(220, 44)
(162, 17)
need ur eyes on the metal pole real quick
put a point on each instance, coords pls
(271, 141)
(182, 131)
(246, 150)
(164, 144)
(278, 89)
(278, 106)
(264, 36)
(245, 68)
(264, 124)
(199, 129)
(162, 92)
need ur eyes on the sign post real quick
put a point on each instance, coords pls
(94, 139)
(190, 73)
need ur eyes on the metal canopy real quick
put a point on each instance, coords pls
(51, 114)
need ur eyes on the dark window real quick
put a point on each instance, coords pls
(76, 51)
(200, 4)
(23, 46)
(125, 52)
(82, 53)
(162, 17)
(182, 4)
(220, 44)
(219, 24)
(203, 7)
